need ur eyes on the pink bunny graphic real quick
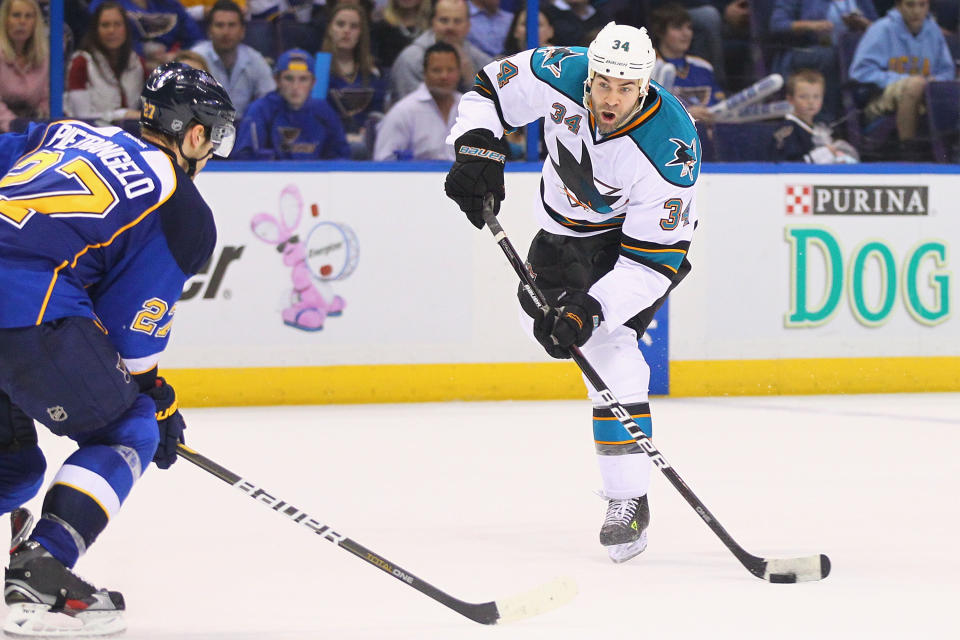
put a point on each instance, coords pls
(308, 308)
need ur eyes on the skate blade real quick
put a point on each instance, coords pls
(622, 552)
(37, 621)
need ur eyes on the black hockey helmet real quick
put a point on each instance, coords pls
(176, 95)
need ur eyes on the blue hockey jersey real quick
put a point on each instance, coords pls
(95, 222)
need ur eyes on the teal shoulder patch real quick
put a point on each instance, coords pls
(669, 139)
(563, 68)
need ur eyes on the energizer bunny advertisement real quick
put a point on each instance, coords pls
(319, 269)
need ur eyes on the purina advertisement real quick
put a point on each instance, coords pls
(820, 266)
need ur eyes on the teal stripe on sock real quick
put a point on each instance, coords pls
(610, 430)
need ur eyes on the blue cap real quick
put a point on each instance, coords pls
(294, 59)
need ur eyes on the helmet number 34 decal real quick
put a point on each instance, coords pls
(623, 46)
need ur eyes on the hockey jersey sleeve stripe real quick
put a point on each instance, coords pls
(76, 258)
(664, 259)
(482, 85)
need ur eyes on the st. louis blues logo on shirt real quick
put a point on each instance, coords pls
(685, 155)
(553, 58)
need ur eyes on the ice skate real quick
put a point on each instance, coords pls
(45, 599)
(624, 531)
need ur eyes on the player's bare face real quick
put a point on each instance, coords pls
(451, 21)
(914, 13)
(442, 73)
(111, 29)
(612, 100)
(345, 30)
(807, 99)
(295, 87)
(226, 31)
(20, 24)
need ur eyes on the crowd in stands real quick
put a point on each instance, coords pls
(381, 79)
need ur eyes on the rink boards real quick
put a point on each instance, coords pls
(811, 282)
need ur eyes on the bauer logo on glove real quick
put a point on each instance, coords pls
(482, 153)
(477, 171)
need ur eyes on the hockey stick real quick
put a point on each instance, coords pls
(539, 600)
(800, 569)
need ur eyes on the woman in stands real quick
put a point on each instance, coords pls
(105, 75)
(24, 64)
(356, 88)
(402, 21)
(517, 32)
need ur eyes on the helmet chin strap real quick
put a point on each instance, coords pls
(191, 162)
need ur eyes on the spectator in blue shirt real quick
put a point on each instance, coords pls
(694, 82)
(287, 124)
(241, 69)
(356, 91)
(898, 54)
(489, 25)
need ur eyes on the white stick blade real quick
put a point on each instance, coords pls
(797, 569)
(544, 598)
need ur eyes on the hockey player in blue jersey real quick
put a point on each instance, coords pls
(617, 213)
(99, 230)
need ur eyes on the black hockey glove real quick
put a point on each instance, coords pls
(570, 323)
(169, 421)
(477, 171)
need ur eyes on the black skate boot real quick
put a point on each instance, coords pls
(624, 531)
(46, 599)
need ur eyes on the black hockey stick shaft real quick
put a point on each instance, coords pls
(755, 565)
(537, 601)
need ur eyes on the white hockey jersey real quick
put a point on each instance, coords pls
(640, 179)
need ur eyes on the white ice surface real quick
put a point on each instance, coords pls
(485, 500)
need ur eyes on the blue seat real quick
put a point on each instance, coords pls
(943, 114)
(262, 36)
(870, 138)
(762, 47)
(745, 142)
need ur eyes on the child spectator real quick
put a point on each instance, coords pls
(24, 64)
(898, 54)
(288, 124)
(416, 127)
(356, 89)
(401, 22)
(160, 28)
(241, 69)
(105, 76)
(694, 83)
(801, 139)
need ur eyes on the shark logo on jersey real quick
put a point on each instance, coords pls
(553, 58)
(580, 186)
(685, 155)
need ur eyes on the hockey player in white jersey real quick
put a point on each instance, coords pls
(617, 213)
